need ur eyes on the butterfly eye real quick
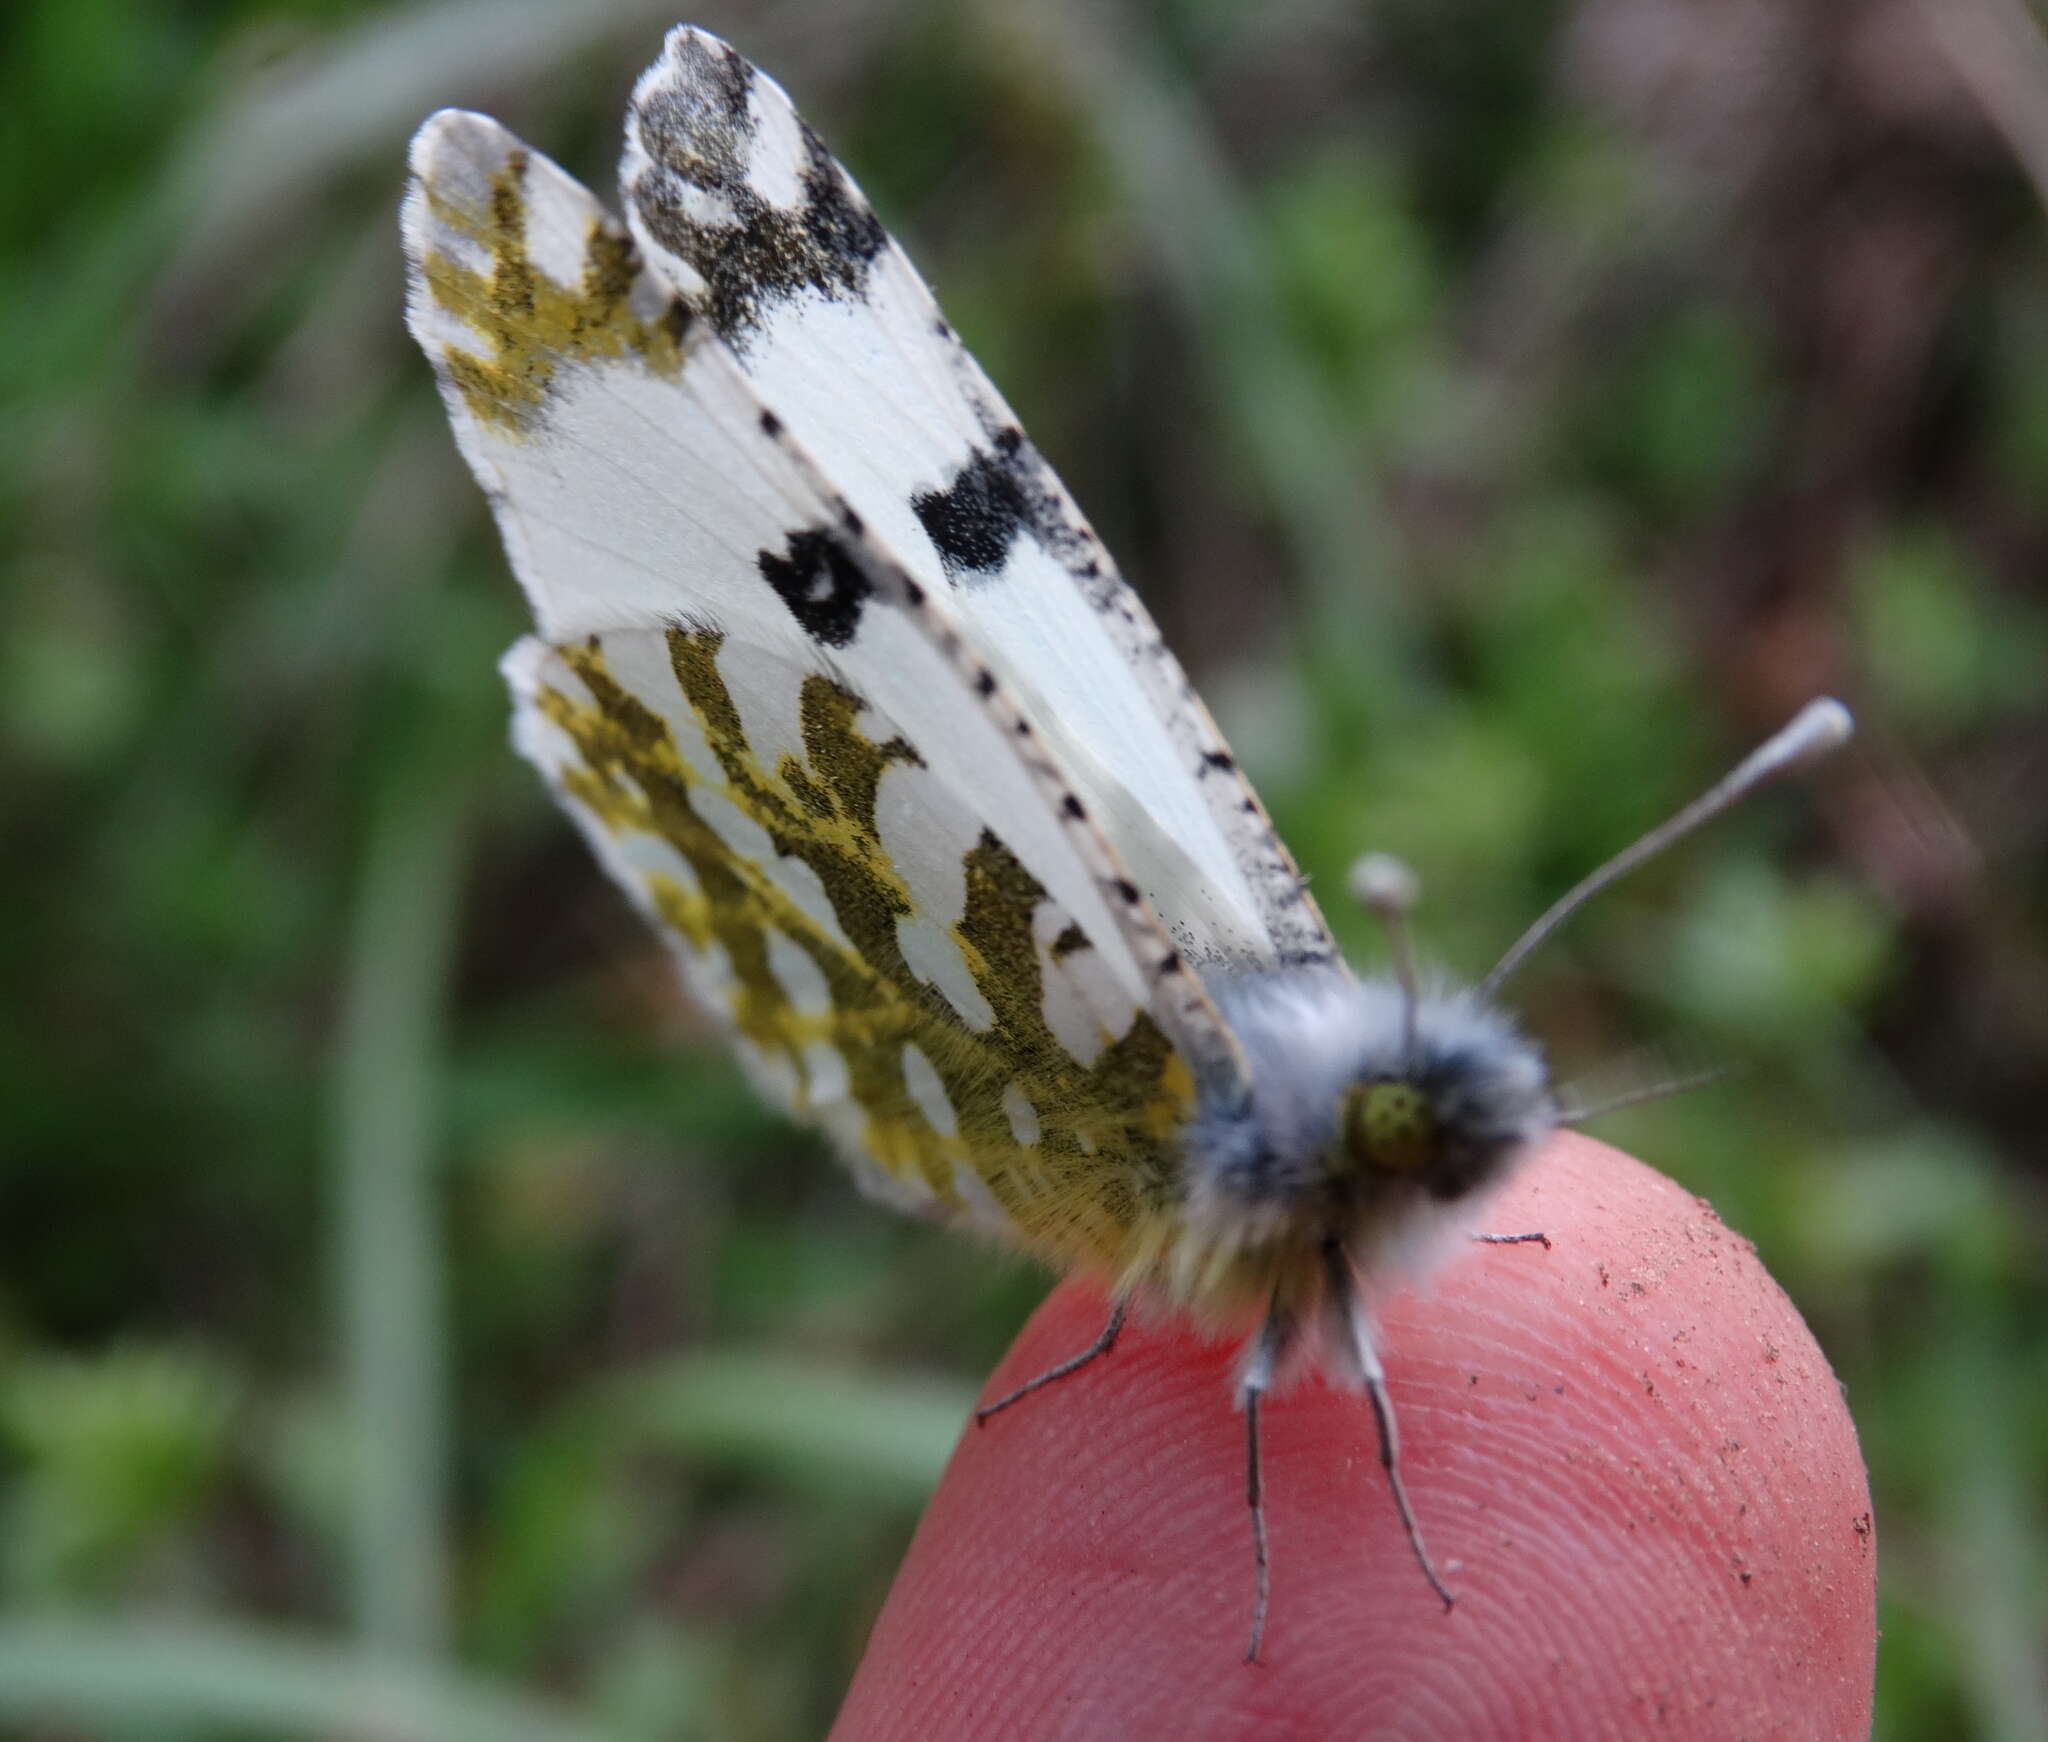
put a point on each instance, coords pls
(1389, 1127)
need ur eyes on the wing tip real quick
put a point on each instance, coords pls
(695, 62)
(451, 158)
(451, 137)
(696, 34)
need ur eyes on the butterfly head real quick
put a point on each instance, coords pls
(1372, 1117)
(1442, 1114)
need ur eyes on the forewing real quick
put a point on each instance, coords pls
(735, 201)
(787, 753)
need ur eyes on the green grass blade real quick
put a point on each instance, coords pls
(253, 1679)
(387, 1068)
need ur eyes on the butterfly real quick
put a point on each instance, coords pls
(845, 693)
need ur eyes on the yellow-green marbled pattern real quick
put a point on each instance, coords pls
(532, 324)
(1098, 1183)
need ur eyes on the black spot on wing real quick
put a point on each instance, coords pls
(1070, 940)
(997, 493)
(974, 520)
(824, 588)
(675, 321)
(698, 130)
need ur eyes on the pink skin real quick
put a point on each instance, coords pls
(1627, 1454)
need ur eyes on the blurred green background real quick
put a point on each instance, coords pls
(1511, 412)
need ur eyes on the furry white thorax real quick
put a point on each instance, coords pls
(1270, 1167)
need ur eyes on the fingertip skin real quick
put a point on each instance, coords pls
(1626, 1452)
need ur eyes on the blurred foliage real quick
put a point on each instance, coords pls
(1509, 410)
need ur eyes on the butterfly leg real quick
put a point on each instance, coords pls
(1274, 1337)
(1357, 1329)
(1390, 1461)
(1513, 1240)
(1102, 1345)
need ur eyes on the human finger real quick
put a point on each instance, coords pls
(1626, 1451)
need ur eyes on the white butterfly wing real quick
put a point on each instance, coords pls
(789, 751)
(734, 200)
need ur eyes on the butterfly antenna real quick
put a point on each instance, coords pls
(1388, 890)
(1821, 726)
(1574, 1113)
